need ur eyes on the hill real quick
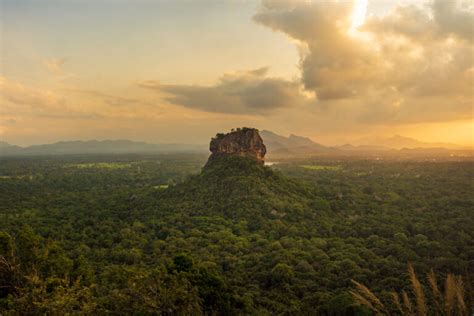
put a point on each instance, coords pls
(235, 184)
(8, 148)
(5, 145)
(238, 188)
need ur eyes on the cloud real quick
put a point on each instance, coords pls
(333, 64)
(54, 65)
(19, 94)
(248, 92)
(444, 19)
(452, 19)
(414, 64)
(112, 100)
(22, 100)
(410, 65)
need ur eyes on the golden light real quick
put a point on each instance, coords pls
(358, 14)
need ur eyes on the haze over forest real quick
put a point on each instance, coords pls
(278, 147)
(178, 71)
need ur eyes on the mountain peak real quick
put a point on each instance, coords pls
(242, 142)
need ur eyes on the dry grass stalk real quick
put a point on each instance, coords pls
(449, 294)
(451, 303)
(460, 295)
(362, 301)
(371, 297)
(418, 291)
(438, 298)
(407, 304)
(396, 301)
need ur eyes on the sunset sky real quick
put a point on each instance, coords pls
(181, 71)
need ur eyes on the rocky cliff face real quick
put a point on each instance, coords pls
(243, 142)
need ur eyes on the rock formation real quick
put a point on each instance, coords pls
(243, 142)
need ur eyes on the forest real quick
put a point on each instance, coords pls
(160, 235)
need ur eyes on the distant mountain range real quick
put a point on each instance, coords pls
(297, 146)
(293, 145)
(277, 146)
(400, 142)
(120, 146)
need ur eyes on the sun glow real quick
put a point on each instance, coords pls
(358, 14)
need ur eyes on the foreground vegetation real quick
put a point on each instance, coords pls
(450, 302)
(139, 235)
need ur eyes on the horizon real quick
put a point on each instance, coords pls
(180, 72)
(376, 142)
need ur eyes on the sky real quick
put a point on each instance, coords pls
(181, 71)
